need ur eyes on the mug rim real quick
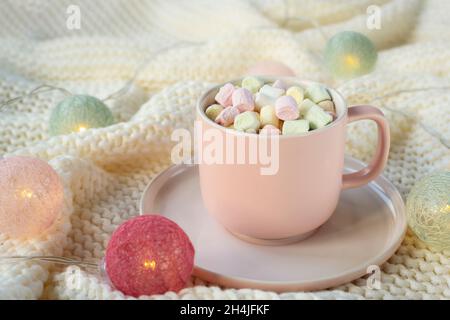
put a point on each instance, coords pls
(200, 108)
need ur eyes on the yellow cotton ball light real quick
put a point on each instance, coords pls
(31, 197)
(350, 54)
(428, 209)
(78, 113)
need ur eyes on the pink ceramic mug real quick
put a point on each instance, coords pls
(302, 195)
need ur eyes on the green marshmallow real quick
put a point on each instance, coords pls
(317, 117)
(247, 121)
(317, 93)
(295, 127)
(252, 84)
(305, 106)
(213, 111)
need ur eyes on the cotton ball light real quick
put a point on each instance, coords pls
(350, 54)
(148, 255)
(31, 196)
(78, 113)
(270, 68)
(428, 209)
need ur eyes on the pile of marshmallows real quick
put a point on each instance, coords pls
(272, 109)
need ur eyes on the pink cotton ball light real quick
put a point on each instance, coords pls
(31, 196)
(148, 255)
(270, 68)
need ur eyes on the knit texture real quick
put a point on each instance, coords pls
(105, 170)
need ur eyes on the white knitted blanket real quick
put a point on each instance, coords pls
(105, 170)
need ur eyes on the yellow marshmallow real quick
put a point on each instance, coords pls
(268, 116)
(297, 93)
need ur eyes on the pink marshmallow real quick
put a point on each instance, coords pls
(224, 96)
(279, 84)
(227, 115)
(286, 108)
(243, 100)
(270, 130)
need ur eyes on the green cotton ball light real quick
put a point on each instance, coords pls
(350, 54)
(78, 113)
(428, 209)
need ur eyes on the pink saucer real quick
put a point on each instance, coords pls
(366, 229)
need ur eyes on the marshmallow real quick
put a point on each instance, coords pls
(286, 108)
(317, 93)
(224, 96)
(271, 91)
(213, 111)
(304, 107)
(253, 84)
(227, 116)
(243, 100)
(247, 121)
(268, 116)
(269, 130)
(279, 84)
(262, 100)
(272, 109)
(294, 127)
(297, 93)
(317, 117)
(327, 105)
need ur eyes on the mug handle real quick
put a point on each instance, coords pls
(364, 176)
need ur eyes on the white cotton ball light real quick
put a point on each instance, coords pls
(428, 209)
(31, 197)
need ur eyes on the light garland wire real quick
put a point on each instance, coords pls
(314, 22)
(424, 126)
(38, 90)
(144, 64)
(53, 259)
(122, 91)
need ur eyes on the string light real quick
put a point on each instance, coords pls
(77, 113)
(31, 196)
(147, 255)
(428, 209)
(350, 54)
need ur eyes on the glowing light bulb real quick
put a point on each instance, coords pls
(352, 61)
(150, 264)
(26, 193)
